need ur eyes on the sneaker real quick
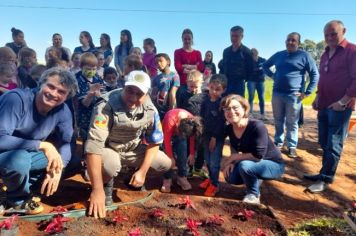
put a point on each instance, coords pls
(311, 177)
(29, 207)
(166, 186)
(318, 187)
(279, 145)
(211, 191)
(251, 198)
(183, 183)
(205, 184)
(292, 153)
(108, 189)
(200, 173)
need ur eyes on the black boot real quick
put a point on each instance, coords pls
(108, 192)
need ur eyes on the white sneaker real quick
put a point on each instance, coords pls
(318, 187)
(184, 183)
(166, 186)
(251, 198)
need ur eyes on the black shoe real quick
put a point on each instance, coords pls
(312, 177)
(108, 188)
(292, 153)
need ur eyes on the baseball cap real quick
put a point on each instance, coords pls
(139, 79)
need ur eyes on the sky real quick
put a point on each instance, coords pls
(266, 23)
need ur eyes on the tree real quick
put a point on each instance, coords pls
(315, 49)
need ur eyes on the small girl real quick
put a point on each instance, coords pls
(148, 56)
(27, 59)
(101, 62)
(122, 51)
(179, 126)
(208, 62)
(8, 73)
(86, 41)
(89, 90)
(75, 63)
(164, 85)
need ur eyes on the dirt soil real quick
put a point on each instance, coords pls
(285, 197)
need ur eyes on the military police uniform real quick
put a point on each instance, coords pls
(121, 136)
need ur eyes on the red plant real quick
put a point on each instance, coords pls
(187, 202)
(157, 213)
(56, 225)
(215, 220)
(353, 204)
(119, 218)
(259, 232)
(59, 209)
(244, 214)
(192, 226)
(135, 232)
(8, 223)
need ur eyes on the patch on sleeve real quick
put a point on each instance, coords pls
(100, 121)
(156, 136)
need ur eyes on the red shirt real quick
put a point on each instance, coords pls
(10, 86)
(337, 75)
(170, 128)
(182, 57)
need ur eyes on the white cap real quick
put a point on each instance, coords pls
(139, 79)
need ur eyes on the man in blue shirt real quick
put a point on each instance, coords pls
(28, 117)
(289, 89)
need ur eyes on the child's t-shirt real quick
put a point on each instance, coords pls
(10, 86)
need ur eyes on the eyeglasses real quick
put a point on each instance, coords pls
(233, 108)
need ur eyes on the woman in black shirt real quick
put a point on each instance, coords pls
(255, 156)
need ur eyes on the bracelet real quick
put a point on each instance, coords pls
(341, 104)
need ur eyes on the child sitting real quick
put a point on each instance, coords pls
(110, 79)
(89, 90)
(8, 73)
(164, 85)
(213, 136)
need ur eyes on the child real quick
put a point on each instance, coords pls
(178, 126)
(122, 51)
(164, 85)
(7, 55)
(194, 84)
(36, 72)
(213, 137)
(89, 90)
(8, 73)
(132, 62)
(19, 42)
(75, 63)
(101, 61)
(110, 79)
(27, 59)
(137, 51)
(148, 57)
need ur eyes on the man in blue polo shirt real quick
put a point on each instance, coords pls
(27, 118)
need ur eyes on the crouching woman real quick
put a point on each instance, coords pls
(254, 155)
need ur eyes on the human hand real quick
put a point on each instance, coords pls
(212, 144)
(51, 183)
(228, 169)
(55, 162)
(138, 179)
(191, 160)
(97, 203)
(336, 106)
(315, 104)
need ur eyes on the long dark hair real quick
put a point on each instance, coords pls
(90, 39)
(191, 126)
(129, 44)
(150, 42)
(107, 38)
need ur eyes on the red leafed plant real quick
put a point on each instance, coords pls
(56, 225)
(157, 213)
(59, 209)
(214, 220)
(186, 202)
(118, 217)
(192, 226)
(244, 215)
(8, 223)
(259, 232)
(135, 232)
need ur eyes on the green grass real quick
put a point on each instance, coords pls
(268, 94)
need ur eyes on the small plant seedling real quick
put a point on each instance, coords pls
(156, 213)
(56, 225)
(59, 209)
(244, 215)
(192, 226)
(186, 202)
(214, 220)
(118, 217)
(8, 223)
(135, 232)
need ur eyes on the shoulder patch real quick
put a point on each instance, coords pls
(100, 121)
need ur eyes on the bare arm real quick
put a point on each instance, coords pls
(172, 97)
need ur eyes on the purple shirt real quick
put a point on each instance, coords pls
(337, 75)
(149, 61)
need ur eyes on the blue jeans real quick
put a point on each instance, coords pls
(235, 87)
(249, 172)
(260, 87)
(286, 110)
(23, 170)
(180, 149)
(213, 160)
(332, 133)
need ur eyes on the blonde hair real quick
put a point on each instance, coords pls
(88, 59)
(7, 55)
(195, 76)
